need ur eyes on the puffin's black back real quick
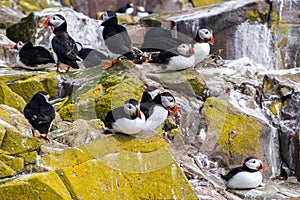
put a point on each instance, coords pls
(39, 113)
(32, 56)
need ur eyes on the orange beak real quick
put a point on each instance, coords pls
(139, 114)
(264, 166)
(212, 40)
(15, 46)
(193, 51)
(101, 16)
(46, 22)
(175, 110)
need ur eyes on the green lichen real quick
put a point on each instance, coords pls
(16, 164)
(201, 3)
(275, 107)
(29, 157)
(7, 95)
(37, 186)
(253, 16)
(43, 82)
(238, 134)
(5, 170)
(15, 143)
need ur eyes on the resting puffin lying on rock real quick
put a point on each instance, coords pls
(32, 56)
(247, 176)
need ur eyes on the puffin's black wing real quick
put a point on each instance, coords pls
(163, 57)
(147, 108)
(113, 115)
(65, 48)
(232, 173)
(117, 39)
(158, 39)
(35, 56)
(46, 114)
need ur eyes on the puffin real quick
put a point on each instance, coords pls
(247, 176)
(160, 39)
(127, 119)
(141, 11)
(63, 45)
(128, 9)
(157, 110)
(115, 37)
(40, 114)
(149, 93)
(32, 56)
(202, 42)
(179, 58)
(90, 56)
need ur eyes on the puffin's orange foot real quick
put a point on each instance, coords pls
(111, 63)
(108, 65)
(43, 136)
(57, 67)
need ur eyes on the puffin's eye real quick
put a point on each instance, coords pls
(129, 106)
(206, 32)
(254, 161)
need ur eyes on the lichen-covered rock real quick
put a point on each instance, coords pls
(16, 143)
(15, 119)
(110, 167)
(28, 87)
(5, 170)
(235, 133)
(10, 98)
(37, 186)
(8, 15)
(15, 163)
(29, 157)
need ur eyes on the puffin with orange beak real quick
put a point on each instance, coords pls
(247, 176)
(127, 119)
(64, 47)
(202, 42)
(157, 110)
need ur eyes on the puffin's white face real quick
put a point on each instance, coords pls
(56, 21)
(168, 102)
(20, 45)
(255, 164)
(185, 50)
(205, 34)
(131, 109)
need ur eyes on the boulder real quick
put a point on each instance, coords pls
(15, 143)
(9, 16)
(118, 162)
(46, 185)
(9, 98)
(15, 163)
(5, 170)
(43, 82)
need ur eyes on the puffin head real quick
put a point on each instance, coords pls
(253, 164)
(132, 108)
(167, 100)
(206, 35)
(185, 50)
(22, 43)
(55, 21)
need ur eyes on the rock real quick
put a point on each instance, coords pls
(137, 164)
(42, 185)
(32, 27)
(15, 163)
(97, 96)
(29, 157)
(82, 132)
(9, 16)
(28, 87)
(5, 170)
(16, 143)
(6, 97)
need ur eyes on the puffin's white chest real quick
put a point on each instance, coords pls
(19, 62)
(51, 46)
(129, 126)
(158, 116)
(201, 51)
(181, 62)
(245, 180)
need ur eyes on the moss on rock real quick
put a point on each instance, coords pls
(237, 134)
(5, 171)
(17, 164)
(29, 157)
(43, 82)
(38, 186)
(15, 143)
(8, 97)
